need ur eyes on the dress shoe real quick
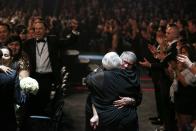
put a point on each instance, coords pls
(157, 122)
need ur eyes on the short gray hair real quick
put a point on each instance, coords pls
(129, 57)
(111, 60)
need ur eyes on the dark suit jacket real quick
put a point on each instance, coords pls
(171, 54)
(106, 87)
(54, 55)
(8, 83)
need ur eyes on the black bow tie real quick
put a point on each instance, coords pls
(41, 40)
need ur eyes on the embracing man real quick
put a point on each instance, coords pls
(115, 94)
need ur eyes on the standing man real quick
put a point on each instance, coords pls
(45, 64)
(168, 114)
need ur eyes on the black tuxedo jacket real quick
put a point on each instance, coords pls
(106, 87)
(171, 54)
(54, 55)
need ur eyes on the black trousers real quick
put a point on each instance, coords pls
(37, 104)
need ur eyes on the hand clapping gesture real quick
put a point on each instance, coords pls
(184, 59)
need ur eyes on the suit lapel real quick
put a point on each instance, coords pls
(51, 50)
(49, 42)
(34, 50)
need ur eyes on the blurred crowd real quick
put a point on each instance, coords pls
(104, 25)
(157, 31)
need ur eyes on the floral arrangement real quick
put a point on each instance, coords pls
(29, 85)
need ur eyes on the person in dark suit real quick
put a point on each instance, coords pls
(110, 89)
(72, 35)
(45, 64)
(9, 95)
(168, 56)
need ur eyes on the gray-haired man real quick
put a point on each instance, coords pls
(121, 85)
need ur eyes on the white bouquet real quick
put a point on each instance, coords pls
(29, 85)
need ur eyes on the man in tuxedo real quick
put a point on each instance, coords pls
(172, 37)
(164, 81)
(72, 35)
(45, 64)
(72, 50)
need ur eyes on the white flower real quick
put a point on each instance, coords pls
(29, 85)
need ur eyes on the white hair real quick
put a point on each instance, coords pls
(111, 60)
(129, 57)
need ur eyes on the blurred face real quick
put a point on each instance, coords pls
(163, 22)
(179, 24)
(6, 58)
(15, 47)
(39, 30)
(184, 52)
(150, 29)
(126, 64)
(23, 36)
(190, 27)
(6, 54)
(30, 34)
(74, 24)
(170, 34)
(4, 33)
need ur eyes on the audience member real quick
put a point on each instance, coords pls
(9, 92)
(45, 64)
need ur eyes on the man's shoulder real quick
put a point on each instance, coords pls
(52, 37)
(96, 75)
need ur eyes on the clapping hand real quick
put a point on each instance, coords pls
(184, 59)
(152, 49)
(145, 63)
